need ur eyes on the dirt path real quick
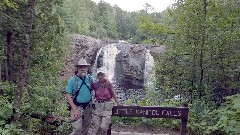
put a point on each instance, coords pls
(143, 129)
(133, 133)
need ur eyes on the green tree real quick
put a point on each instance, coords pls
(37, 43)
(106, 21)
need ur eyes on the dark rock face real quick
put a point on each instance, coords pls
(129, 68)
(79, 47)
(130, 63)
(84, 47)
(131, 59)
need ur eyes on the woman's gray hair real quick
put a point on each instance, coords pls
(105, 76)
(103, 71)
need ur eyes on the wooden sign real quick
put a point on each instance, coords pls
(153, 112)
(149, 111)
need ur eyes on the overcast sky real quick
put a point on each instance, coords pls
(134, 5)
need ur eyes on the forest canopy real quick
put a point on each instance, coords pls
(201, 61)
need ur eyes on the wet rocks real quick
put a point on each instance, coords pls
(129, 69)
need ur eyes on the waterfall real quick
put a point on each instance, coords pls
(94, 69)
(108, 60)
(148, 70)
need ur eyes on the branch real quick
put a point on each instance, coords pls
(50, 119)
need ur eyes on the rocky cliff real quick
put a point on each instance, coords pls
(129, 61)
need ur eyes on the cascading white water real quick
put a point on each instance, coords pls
(148, 70)
(109, 62)
(109, 55)
(94, 69)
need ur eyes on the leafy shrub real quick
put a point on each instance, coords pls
(224, 120)
(203, 119)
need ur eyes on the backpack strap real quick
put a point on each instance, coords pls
(83, 82)
(106, 85)
(76, 83)
(76, 89)
(90, 80)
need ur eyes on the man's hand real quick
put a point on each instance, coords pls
(76, 114)
(75, 111)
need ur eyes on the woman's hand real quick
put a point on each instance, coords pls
(119, 104)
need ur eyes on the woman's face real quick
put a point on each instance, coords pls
(101, 76)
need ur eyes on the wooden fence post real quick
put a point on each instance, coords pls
(109, 129)
(184, 120)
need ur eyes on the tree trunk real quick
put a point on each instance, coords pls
(193, 72)
(202, 47)
(25, 55)
(0, 70)
(1, 90)
(9, 56)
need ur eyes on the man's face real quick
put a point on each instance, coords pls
(82, 70)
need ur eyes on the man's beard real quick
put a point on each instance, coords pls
(82, 73)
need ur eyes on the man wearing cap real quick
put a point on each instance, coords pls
(78, 94)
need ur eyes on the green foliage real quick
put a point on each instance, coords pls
(200, 63)
(199, 57)
(149, 26)
(9, 3)
(203, 118)
(224, 120)
(42, 93)
(6, 101)
(10, 129)
(6, 107)
(74, 14)
(106, 20)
